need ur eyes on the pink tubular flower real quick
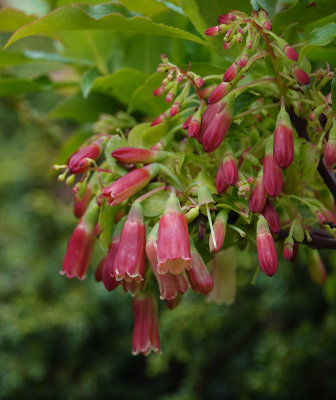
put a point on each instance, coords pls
(290, 53)
(230, 170)
(219, 228)
(221, 185)
(283, 150)
(301, 76)
(330, 147)
(169, 285)
(194, 126)
(175, 108)
(129, 262)
(80, 161)
(267, 255)
(128, 184)
(80, 245)
(272, 176)
(82, 203)
(173, 248)
(214, 30)
(271, 216)
(215, 124)
(219, 92)
(146, 332)
(137, 155)
(199, 276)
(258, 196)
(231, 72)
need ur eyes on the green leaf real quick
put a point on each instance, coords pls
(146, 7)
(14, 86)
(155, 204)
(333, 92)
(88, 79)
(135, 135)
(268, 5)
(121, 84)
(78, 109)
(204, 15)
(99, 17)
(11, 19)
(154, 134)
(106, 224)
(319, 37)
(114, 143)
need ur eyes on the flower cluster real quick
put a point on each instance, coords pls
(224, 173)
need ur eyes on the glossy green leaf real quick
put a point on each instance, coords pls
(15, 86)
(11, 19)
(333, 92)
(154, 134)
(155, 204)
(135, 135)
(319, 37)
(78, 109)
(121, 84)
(99, 17)
(88, 80)
(146, 7)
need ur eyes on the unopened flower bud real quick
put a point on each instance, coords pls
(221, 185)
(301, 76)
(290, 53)
(219, 92)
(231, 72)
(132, 155)
(330, 147)
(199, 276)
(159, 91)
(175, 108)
(214, 30)
(267, 255)
(230, 170)
(219, 228)
(272, 217)
(272, 176)
(288, 248)
(283, 147)
(258, 196)
(158, 120)
(80, 161)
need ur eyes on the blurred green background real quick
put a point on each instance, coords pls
(62, 339)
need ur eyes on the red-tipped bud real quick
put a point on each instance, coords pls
(267, 25)
(316, 267)
(231, 72)
(271, 216)
(129, 184)
(272, 176)
(132, 155)
(129, 263)
(226, 18)
(290, 53)
(219, 92)
(175, 108)
(173, 239)
(78, 253)
(146, 331)
(230, 170)
(170, 97)
(330, 147)
(194, 127)
(187, 122)
(214, 30)
(216, 121)
(219, 228)
(82, 203)
(199, 81)
(159, 91)
(283, 145)
(158, 120)
(288, 249)
(301, 76)
(221, 185)
(199, 276)
(258, 196)
(267, 255)
(243, 61)
(80, 161)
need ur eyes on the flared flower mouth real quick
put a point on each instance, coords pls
(174, 265)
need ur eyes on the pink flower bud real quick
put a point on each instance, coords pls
(301, 76)
(129, 262)
(258, 196)
(129, 184)
(230, 170)
(221, 185)
(173, 239)
(199, 81)
(159, 91)
(137, 155)
(81, 204)
(194, 127)
(216, 121)
(288, 248)
(226, 18)
(231, 72)
(187, 122)
(267, 255)
(79, 161)
(219, 92)
(146, 332)
(283, 148)
(271, 216)
(243, 61)
(80, 245)
(199, 276)
(169, 285)
(290, 53)
(272, 176)
(158, 120)
(219, 228)
(214, 30)
(267, 25)
(175, 108)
